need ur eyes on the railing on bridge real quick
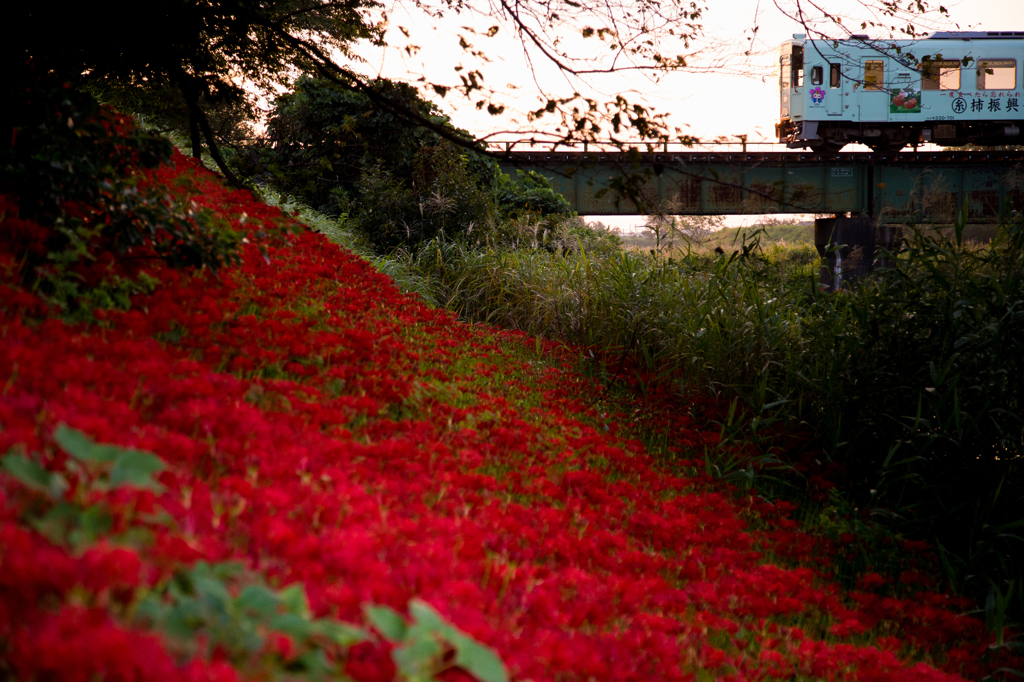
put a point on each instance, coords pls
(718, 145)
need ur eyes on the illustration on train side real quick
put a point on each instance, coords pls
(952, 89)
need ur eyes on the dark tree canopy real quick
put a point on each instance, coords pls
(192, 54)
(321, 137)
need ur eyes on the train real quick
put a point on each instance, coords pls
(949, 89)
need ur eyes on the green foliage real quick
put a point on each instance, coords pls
(119, 466)
(223, 608)
(928, 402)
(61, 149)
(529, 193)
(323, 137)
(78, 521)
(423, 647)
(343, 153)
(442, 199)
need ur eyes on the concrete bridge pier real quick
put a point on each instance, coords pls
(848, 247)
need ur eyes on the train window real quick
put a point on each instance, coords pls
(940, 74)
(835, 78)
(817, 75)
(874, 74)
(798, 66)
(784, 72)
(997, 74)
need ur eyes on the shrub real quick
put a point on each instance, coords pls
(343, 153)
(79, 210)
(441, 199)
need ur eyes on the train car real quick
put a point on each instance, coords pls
(952, 88)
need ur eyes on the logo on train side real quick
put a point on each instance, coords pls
(959, 105)
(817, 96)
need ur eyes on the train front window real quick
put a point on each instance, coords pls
(834, 76)
(784, 72)
(798, 66)
(940, 74)
(997, 74)
(817, 75)
(874, 74)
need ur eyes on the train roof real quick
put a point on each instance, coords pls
(941, 35)
(973, 35)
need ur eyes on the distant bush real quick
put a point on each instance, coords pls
(346, 155)
(441, 198)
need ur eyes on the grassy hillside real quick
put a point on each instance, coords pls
(285, 468)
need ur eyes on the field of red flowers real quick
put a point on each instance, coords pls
(290, 469)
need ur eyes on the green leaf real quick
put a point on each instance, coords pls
(81, 447)
(130, 467)
(55, 524)
(478, 660)
(315, 663)
(387, 621)
(294, 599)
(342, 634)
(424, 614)
(212, 592)
(93, 523)
(183, 618)
(417, 657)
(224, 570)
(136, 468)
(33, 475)
(151, 610)
(292, 624)
(257, 599)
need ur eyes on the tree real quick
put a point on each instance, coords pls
(190, 55)
(321, 138)
(669, 230)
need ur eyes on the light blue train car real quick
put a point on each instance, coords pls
(948, 89)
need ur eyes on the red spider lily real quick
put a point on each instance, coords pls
(321, 427)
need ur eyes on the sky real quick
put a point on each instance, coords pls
(725, 95)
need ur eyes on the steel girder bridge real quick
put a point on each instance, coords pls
(894, 187)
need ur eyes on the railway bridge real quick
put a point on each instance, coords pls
(869, 193)
(893, 187)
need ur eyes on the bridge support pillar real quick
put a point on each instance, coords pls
(847, 248)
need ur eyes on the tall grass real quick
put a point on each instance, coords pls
(911, 384)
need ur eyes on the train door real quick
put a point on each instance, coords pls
(784, 81)
(874, 98)
(834, 92)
